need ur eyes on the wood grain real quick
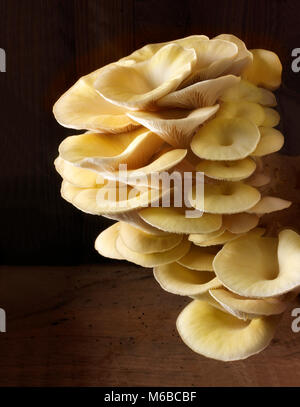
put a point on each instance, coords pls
(114, 326)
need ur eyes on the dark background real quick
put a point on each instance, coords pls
(51, 43)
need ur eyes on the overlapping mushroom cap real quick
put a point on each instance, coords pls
(189, 106)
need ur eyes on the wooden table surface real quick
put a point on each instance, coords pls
(114, 326)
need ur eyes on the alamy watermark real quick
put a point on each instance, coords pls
(2, 60)
(2, 320)
(296, 322)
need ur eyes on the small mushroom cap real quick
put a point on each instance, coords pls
(240, 222)
(225, 198)
(269, 204)
(272, 117)
(244, 90)
(198, 259)
(225, 237)
(218, 335)
(137, 86)
(143, 242)
(200, 94)
(105, 243)
(225, 139)
(81, 107)
(198, 238)
(80, 177)
(248, 265)
(227, 170)
(246, 308)
(271, 140)
(181, 280)
(105, 152)
(265, 70)
(244, 110)
(175, 126)
(174, 220)
(153, 259)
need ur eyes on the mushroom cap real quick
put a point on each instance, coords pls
(81, 107)
(198, 259)
(271, 140)
(225, 198)
(181, 280)
(244, 90)
(265, 70)
(225, 237)
(218, 335)
(240, 222)
(153, 259)
(105, 243)
(260, 267)
(225, 139)
(175, 126)
(244, 110)
(272, 117)
(143, 242)
(227, 170)
(79, 177)
(137, 86)
(269, 204)
(173, 220)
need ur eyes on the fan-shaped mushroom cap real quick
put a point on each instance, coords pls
(81, 107)
(269, 204)
(105, 152)
(258, 179)
(243, 58)
(227, 170)
(225, 139)
(105, 243)
(198, 259)
(271, 140)
(248, 265)
(240, 222)
(153, 259)
(144, 242)
(225, 198)
(80, 177)
(244, 110)
(138, 85)
(225, 237)
(175, 126)
(246, 308)
(173, 220)
(265, 70)
(218, 335)
(198, 238)
(247, 91)
(272, 117)
(200, 94)
(180, 280)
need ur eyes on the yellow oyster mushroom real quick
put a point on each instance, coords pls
(200, 94)
(105, 152)
(146, 176)
(244, 90)
(175, 126)
(105, 243)
(153, 259)
(272, 117)
(80, 177)
(198, 259)
(138, 85)
(144, 242)
(181, 280)
(244, 110)
(260, 267)
(225, 198)
(223, 238)
(265, 70)
(217, 335)
(269, 204)
(81, 107)
(174, 220)
(149, 50)
(227, 170)
(243, 58)
(198, 238)
(240, 222)
(246, 308)
(225, 139)
(271, 140)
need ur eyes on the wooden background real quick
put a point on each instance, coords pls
(72, 317)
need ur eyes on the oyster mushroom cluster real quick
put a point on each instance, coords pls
(193, 105)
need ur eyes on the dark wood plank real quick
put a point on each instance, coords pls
(114, 326)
